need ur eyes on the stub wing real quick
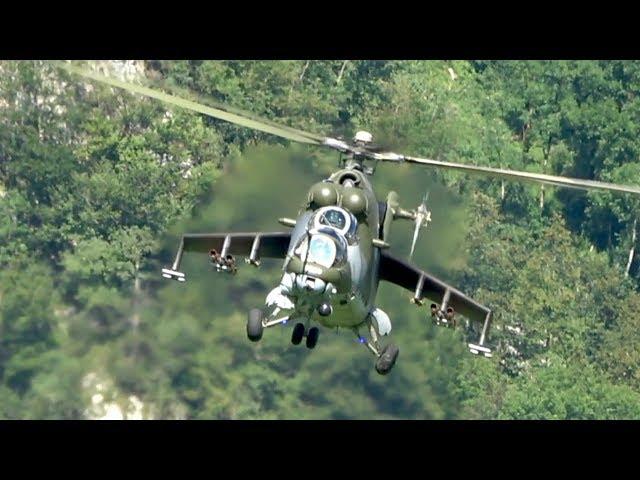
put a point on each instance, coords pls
(444, 296)
(224, 246)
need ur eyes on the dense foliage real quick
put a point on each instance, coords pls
(96, 184)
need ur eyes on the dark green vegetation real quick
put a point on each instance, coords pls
(95, 184)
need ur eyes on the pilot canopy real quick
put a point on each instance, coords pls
(338, 219)
(330, 231)
(323, 246)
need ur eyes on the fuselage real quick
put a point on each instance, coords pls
(331, 258)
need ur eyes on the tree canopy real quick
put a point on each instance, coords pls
(96, 184)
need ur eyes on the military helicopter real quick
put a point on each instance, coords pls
(337, 251)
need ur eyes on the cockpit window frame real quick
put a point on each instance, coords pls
(348, 231)
(325, 216)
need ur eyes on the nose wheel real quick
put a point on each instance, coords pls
(312, 337)
(299, 333)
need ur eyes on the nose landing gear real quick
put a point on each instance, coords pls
(312, 337)
(299, 332)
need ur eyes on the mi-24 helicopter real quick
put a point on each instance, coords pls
(337, 250)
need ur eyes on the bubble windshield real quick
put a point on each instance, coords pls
(321, 250)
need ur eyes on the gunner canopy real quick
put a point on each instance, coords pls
(323, 246)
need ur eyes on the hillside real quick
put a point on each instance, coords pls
(96, 184)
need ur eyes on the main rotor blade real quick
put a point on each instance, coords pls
(289, 133)
(524, 176)
(220, 113)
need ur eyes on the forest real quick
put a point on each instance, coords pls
(97, 184)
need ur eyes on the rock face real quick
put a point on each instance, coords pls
(125, 70)
(108, 404)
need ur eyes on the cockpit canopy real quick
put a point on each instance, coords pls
(337, 219)
(323, 246)
(334, 218)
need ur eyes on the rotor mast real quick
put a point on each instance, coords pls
(356, 155)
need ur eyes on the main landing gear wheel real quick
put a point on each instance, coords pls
(254, 325)
(297, 334)
(312, 337)
(387, 359)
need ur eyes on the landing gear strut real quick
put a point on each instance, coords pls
(385, 357)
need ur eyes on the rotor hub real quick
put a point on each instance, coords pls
(363, 138)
